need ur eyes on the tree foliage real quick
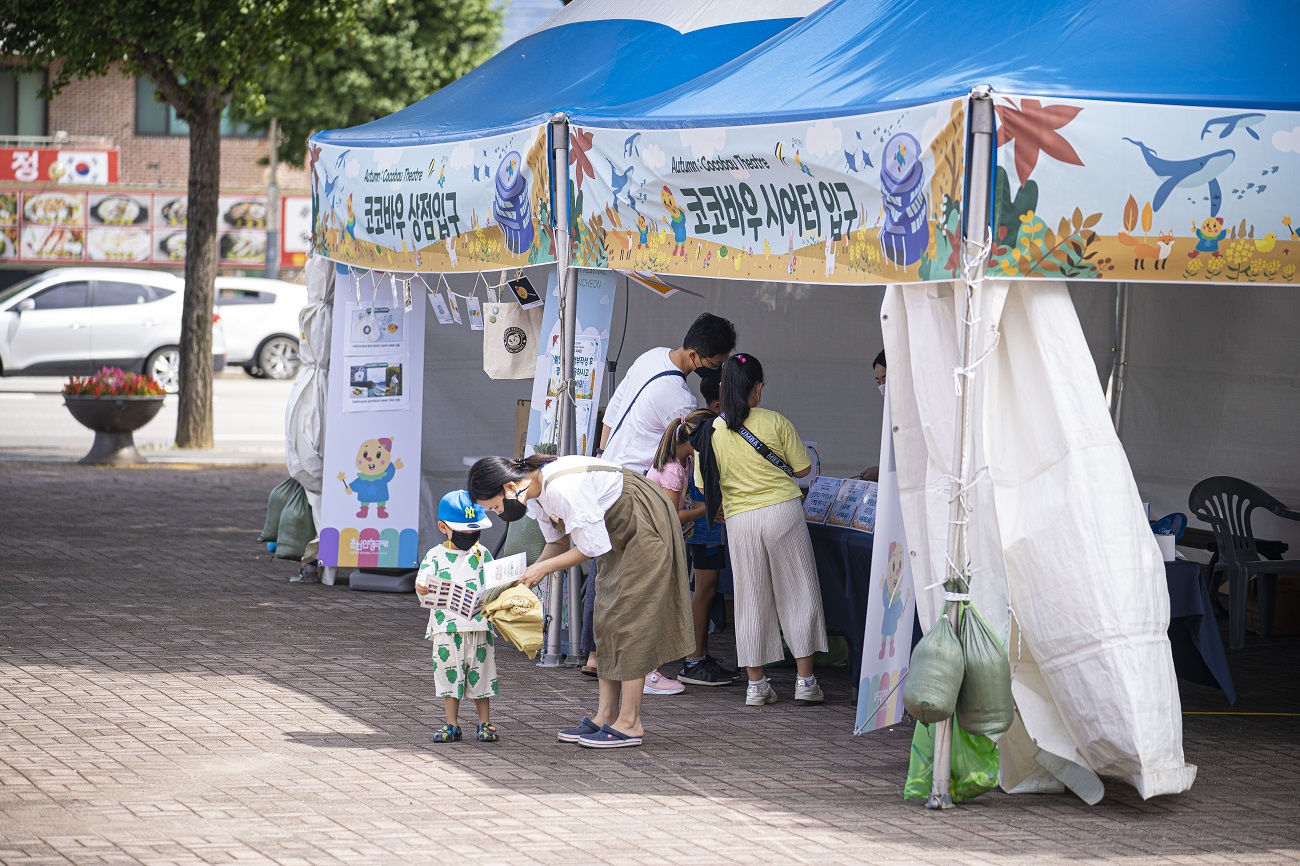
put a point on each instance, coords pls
(201, 55)
(398, 52)
(196, 52)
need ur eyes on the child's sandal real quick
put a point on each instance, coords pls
(447, 734)
(487, 733)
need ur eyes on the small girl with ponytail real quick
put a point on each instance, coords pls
(759, 454)
(673, 471)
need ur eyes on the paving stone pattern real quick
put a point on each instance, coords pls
(167, 697)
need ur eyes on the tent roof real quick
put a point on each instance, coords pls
(591, 54)
(856, 57)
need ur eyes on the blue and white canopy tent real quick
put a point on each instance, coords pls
(972, 160)
(464, 180)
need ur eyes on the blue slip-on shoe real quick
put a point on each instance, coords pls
(582, 729)
(608, 738)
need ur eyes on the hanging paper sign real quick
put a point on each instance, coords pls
(1171, 194)
(596, 295)
(440, 308)
(467, 206)
(871, 198)
(524, 291)
(475, 313)
(455, 308)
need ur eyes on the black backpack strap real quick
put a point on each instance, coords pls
(767, 453)
(628, 410)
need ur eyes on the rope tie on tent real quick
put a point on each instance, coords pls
(1011, 610)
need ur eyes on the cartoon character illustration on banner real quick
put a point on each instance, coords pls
(906, 232)
(375, 469)
(893, 598)
(511, 206)
(675, 219)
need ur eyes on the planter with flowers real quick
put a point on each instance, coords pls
(114, 404)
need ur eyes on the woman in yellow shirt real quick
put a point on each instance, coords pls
(758, 455)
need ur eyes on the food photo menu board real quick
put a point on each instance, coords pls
(123, 227)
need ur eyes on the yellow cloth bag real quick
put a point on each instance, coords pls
(517, 615)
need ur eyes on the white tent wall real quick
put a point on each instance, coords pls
(1212, 388)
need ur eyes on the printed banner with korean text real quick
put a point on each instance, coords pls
(469, 206)
(865, 199)
(1089, 190)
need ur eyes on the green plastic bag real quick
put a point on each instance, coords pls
(297, 528)
(934, 679)
(975, 764)
(274, 506)
(984, 705)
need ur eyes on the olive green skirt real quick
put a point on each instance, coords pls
(642, 616)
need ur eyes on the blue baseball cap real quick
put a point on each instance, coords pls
(461, 513)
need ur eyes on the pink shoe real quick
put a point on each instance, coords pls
(658, 684)
(381, 512)
(365, 509)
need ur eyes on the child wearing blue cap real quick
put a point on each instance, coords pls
(464, 659)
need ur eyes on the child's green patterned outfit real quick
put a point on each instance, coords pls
(464, 660)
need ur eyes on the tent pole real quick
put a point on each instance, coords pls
(1119, 355)
(977, 222)
(566, 280)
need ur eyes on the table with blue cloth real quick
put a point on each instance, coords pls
(1194, 635)
(844, 571)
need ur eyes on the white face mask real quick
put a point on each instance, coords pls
(881, 386)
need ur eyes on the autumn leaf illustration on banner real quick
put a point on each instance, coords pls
(579, 144)
(1033, 127)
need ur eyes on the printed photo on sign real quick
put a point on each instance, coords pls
(375, 328)
(475, 313)
(53, 244)
(118, 244)
(54, 208)
(8, 208)
(375, 384)
(119, 210)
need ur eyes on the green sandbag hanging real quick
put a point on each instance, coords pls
(275, 505)
(974, 771)
(934, 679)
(297, 528)
(984, 705)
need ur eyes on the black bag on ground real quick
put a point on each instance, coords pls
(297, 528)
(934, 678)
(274, 506)
(985, 705)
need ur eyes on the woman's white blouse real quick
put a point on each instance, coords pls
(575, 505)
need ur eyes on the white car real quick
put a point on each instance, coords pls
(261, 321)
(73, 321)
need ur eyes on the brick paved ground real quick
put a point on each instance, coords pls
(167, 697)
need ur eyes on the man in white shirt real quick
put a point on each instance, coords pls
(654, 391)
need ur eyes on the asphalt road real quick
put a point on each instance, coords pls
(248, 415)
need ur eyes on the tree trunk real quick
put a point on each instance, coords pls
(194, 410)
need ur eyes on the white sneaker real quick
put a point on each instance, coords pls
(807, 691)
(756, 695)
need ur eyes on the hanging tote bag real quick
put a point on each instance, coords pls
(510, 337)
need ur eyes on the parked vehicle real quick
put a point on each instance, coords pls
(261, 321)
(73, 321)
